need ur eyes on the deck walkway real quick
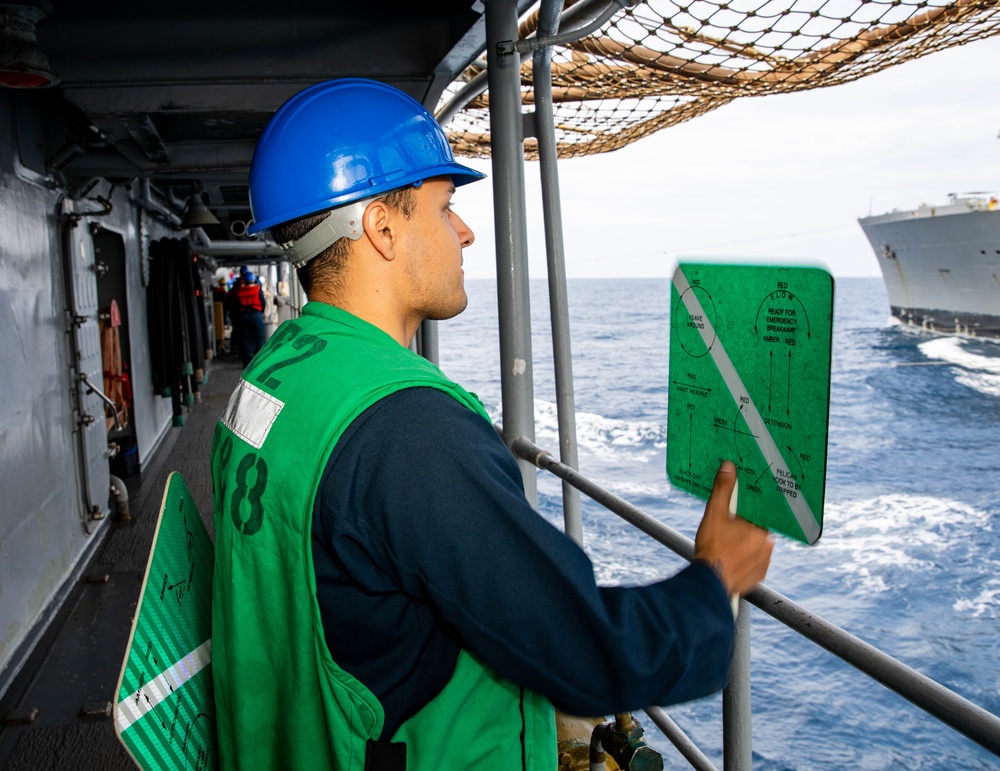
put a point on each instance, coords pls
(74, 670)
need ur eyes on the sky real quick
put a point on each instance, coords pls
(777, 178)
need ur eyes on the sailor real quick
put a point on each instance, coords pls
(248, 304)
(384, 593)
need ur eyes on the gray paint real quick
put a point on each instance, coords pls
(42, 533)
(555, 256)
(513, 295)
(941, 265)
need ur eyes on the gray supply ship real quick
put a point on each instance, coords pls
(941, 264)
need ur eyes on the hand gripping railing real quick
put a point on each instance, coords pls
(967, 718)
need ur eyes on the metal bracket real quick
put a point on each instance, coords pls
(96, 710)
(21, 716)
(508, 47)
(529, 127)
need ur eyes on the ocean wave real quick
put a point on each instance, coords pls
(597, 433)
(610, 439)
(986, 603)
(889, 540)
(978, 371)
(638, 491)
(628, 573)
(622, 558)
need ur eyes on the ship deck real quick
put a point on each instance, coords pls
(58, 710)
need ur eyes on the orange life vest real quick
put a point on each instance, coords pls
(248, 297)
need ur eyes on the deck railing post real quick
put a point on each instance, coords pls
(562, 353)
(737, 741)
(429, 346)
(513, 296)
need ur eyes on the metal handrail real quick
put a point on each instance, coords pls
(680, 740)
(92, 389)
(956, 711)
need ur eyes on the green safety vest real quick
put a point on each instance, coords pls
(281, 700)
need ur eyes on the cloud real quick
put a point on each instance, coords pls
(779, 177)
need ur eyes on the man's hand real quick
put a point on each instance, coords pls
(738, 550)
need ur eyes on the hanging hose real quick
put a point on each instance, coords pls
(204, 305)
(194, 347)
(177, 327)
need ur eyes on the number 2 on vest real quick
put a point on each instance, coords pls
(288, 331)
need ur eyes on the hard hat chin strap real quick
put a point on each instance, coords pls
(344, 221)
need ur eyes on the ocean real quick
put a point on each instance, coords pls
(909, 559)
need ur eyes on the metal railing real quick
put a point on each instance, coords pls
(956, 711)
(507, 126)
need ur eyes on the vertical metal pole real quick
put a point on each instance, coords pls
(562, 354)
(516, 367)
(297, 295)
(737, 742)
(429, 347)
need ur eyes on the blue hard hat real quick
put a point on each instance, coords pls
(249, 277)
(343, 141)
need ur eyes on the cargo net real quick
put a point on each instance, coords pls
(667, 61)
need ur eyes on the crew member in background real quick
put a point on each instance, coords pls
(249, 305)
(233, 310)
(220, 300)
(384, 594)
(219, 291)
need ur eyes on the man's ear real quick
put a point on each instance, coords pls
(379, 223)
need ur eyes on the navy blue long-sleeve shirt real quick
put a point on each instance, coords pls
(423, 543)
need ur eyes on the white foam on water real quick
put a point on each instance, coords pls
(978, 381)
(978, 372)
(986, 603)
(896, 533)
(612, 438)
(635, 490)
(610, 573)
(609, 439)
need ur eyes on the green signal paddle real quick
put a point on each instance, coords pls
(749, 381)
(164, 710)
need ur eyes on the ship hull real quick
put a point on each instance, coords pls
(941, 266)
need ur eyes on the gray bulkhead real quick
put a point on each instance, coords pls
(47, 515)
